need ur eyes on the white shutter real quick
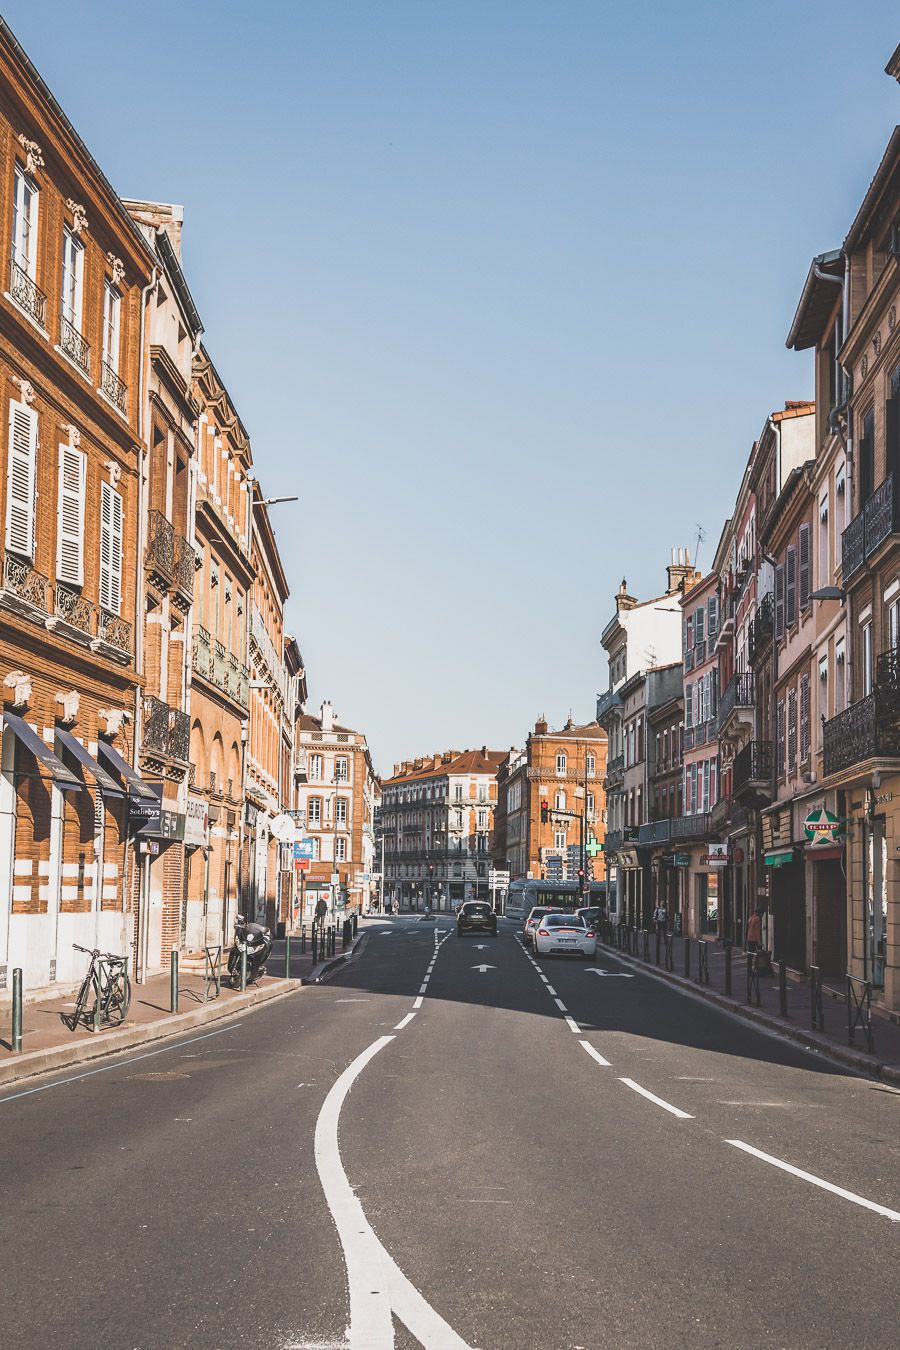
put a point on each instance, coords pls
(70, 515)
(23, 430)
(111, 520)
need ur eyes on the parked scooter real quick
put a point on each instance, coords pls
(257, 942)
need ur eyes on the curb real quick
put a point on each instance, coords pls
(811, 1040)
(28, 1065)
(319, 973)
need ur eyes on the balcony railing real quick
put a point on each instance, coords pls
(613, 840)
(739, 692)
(74, 345)
(110, 385)
(887, 669)
(115, 631)
(655, 832)
(160, 545)
(185, 565)
(615, 766)
(21, 579)
(762, 626)
(74, 608)
(27, 294)
(863, 731)
(877, 521)
(752, 766)
(720, 815)
(218, 663)
(201, 656)
(691, 827)
(166, 730)
(237, 677)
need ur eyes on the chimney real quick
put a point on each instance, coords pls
(678, 571)
(327, 716)
(623, 599)
(540, 726)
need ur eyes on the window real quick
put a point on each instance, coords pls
(457, 792)
(803, 547)
(779, 601)
(688, 705)
(779, 739)
(112, 303)
(340, 811)
(713, 617)
(340, 848)
(791, 729)
(482, 820)
(314, 817)
(790, 587)
(315, 768)
(561, 763)
(317, 848)
(559, 803)
(866, 658)
(695, 801)
(824, 577)
(25, 222)
(20, 479)
(590, 764)
(111, 529)
(72, 278)
(840, 667)
(894, 626)
(705, 803)
(70, 515)
(700, 626)
(804, 719)
(341, 769)
(559, 839)
(589, 805)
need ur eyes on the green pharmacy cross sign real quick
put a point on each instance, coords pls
(593, 847)
(822, 828)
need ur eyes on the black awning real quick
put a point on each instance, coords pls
(132, 779)
(108, 786)
(62, 776)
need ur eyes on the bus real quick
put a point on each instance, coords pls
(522, 896)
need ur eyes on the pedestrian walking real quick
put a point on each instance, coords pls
(754, 931)
(661, 918)
(321, 911)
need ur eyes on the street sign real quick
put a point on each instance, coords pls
(304, 848)
(335, 878)
(593, 847)
(302, 864)
(498, 878)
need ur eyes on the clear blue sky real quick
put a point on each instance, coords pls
(501, 289)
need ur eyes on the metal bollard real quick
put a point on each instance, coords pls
(333, 938)
(687, 958)
(303, 939)
(315, 945)
(173, 981)
(816, 1011)
(17, 1010)
(658, 941)
(287, 956)
(727, 967)
(243, 969)
(782, 989)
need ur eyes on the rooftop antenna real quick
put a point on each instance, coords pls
(701, 535)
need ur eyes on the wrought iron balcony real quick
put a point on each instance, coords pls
(863, 731)
(720, 815)
(739, 692)
(762, 627)
(218, 663)
(238, 677)
(74, 345)
(115, 631)
(655, 832)
(867, 531)
(691, 827)
(21, 580)
(613, 840)
(160, 555)
(752, 769)
(887, 669)
(74, 608)
(166, 730)
(27, 295)
(184, 567)
(115, 389)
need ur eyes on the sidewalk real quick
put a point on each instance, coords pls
(834, 1041)
(47, 1042)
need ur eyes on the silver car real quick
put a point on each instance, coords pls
(566, 935)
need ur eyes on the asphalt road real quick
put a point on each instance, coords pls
(503, 1181)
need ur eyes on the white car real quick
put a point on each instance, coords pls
(533, 920)
(565, 933)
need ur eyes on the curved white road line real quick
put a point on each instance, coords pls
(376, 1283)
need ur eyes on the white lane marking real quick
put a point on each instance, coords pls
(550, 989)
(424, 987)
(418, 1002)
(404, 1022)
(544, 978)
(595, 1054)
(120, 1063)
(573, 1026)
(651, 1097)
(367, 1261)
(559, 1003)
(891, 1214)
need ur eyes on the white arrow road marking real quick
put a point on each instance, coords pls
(610, 974)
(376, 1283)
(816, 1181)
(484, 968)
(480, 947)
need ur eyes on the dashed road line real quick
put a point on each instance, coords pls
(559, 1003)
(573, 1025)
(891, 1214)
(404, 1022)
(652, 1097)
(595, 1054)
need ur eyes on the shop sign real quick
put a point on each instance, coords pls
(822, 828)
(144, 812)
(716, 855)
(304, 848)
(302, 864)
(682, 860)
(196, 823)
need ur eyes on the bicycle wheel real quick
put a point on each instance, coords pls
(118, 999)
(77, 1014)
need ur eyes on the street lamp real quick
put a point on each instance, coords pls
(273, 501)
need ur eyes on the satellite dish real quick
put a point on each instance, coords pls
(282, 828)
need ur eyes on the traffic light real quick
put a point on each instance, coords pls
(545, 812)
(431, 871)
(581, 882)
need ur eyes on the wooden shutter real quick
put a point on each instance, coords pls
(791, 728)
(20, 479)
(111, 522)
(779, 601)
(779, 739)
(699, 626)
(805, 562)
(713, 618)
(790, 588)
(688, 705)
(804, 719)
(70, 515)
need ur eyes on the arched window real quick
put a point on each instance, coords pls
(560, 802)
(561, 762)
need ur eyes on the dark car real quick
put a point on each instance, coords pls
(475, 916)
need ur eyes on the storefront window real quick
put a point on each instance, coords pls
(708, 901)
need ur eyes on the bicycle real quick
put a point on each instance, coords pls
(107, 978)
